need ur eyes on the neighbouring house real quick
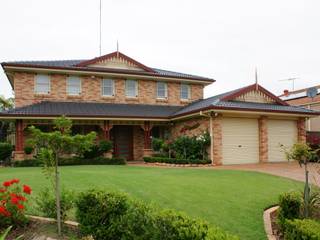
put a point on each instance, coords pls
(128, 103)
(300, 98)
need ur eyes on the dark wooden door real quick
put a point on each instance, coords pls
(123, 142)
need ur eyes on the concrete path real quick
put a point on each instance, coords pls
(289, 169)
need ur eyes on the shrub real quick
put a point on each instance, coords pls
(289, 207)
(110, 215)
(176, 226)
(13, 199)
(46, 203)
(157, 144)
(28, 149)
(175, 161)
(99, 212)
(192, 148)
(93, 152)
(306, 229)
(5, 151)
(137, 222)
(105, 146)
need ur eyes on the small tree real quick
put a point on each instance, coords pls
(302, 153)
(52, 146)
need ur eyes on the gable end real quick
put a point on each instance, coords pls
(115, 60)
(254, 93)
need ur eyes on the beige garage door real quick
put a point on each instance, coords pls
(280, 133)
(240, 141)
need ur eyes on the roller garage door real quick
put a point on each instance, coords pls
(280, 133)
(240, 141)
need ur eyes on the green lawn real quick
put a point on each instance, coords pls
(233, 200)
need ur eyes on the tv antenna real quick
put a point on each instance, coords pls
(290, 80)
(100, 29)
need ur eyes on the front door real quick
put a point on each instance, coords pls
(123, 142)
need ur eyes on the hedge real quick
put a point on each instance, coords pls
(73, 161)
(175, 161)
(113, 215)
(305, 229)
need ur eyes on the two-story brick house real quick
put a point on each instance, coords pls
(128, 102)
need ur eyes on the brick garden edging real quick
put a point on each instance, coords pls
(267, 222)
(52, 220)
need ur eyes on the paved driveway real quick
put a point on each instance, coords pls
(290, 170)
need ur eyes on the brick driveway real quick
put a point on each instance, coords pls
(290, 170)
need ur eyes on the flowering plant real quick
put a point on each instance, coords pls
(13, 198)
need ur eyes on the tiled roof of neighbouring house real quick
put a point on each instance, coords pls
(301, 93)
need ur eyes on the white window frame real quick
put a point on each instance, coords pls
(136, 88)
(36, 90)
(189, 91)
(70, 85)
(165, 90)
(103, 86)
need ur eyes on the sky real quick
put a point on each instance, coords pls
(223, 40)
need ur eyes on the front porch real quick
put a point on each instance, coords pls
(131, 139)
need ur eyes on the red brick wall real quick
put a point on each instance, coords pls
(203, 123)
(91, 91)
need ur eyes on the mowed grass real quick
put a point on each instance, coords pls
(232, 200)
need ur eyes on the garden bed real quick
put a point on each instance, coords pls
(178, 165)
(41, 229)
(177, 162)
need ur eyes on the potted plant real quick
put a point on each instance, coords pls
(28, 150)
(105, 147)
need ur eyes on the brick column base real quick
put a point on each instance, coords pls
(301, 125)
(263, 139)
(147, 152)
(217, 140)
(18, 155)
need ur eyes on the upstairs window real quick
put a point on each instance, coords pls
(185, 92)
(162, 90)
(42, 84)
(108, 87)
(73, 85)
(131, 88)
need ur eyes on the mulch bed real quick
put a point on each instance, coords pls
(34, 229)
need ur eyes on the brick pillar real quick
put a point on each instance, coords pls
(216, 140)
(147, 151)
(263, 139)
(19, 144)
(301, 125)
(106, 127)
